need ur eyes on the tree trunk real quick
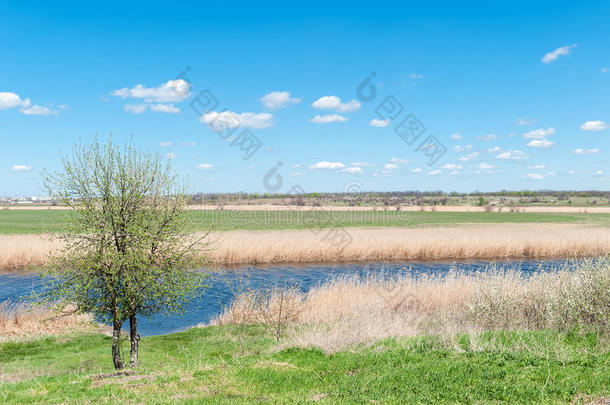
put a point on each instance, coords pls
(134, 337)
(116, 344)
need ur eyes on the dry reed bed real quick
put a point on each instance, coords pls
(364, 244)
(22, 322)
(351, 311)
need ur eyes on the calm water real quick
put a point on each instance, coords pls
(14, 287)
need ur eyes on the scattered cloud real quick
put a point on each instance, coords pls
(512, 155)
(21, 168)
(375, 122)
(456, 136)
(539, 133)
(526, 122)
(411, 79)
(361, 164)
(334, 103)
(540, 143)
(205, 166)
(399, 160)
(234, 120)
(580, 151)
(354, 170)
(594, 126)
(166, 144)
(488, 137)
(191, 144)
(485, 166)
(534, 176)
(327, 119)
(11, 100)
(390, 166)
(135, 108)
(171, 91)
(327, 165)
(469, 157)
(435, 172)
(460, 148)
(171, 156)
(164, 108)
(605, 70)
(416, 170)
(278, 99)
(537, 167)
(451, 166)
(554, 55)
(495, 149)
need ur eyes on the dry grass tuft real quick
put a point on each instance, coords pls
(351, 311)
(23, 322)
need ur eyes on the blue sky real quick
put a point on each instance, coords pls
(518, 93)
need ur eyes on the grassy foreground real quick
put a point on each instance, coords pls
(203, 365)
(43, 221)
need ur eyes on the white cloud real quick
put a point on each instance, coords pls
(327, 165)
(488, 137)
(594, 126)
(12, 100)
(171, 156)
(562, 51)
(171, 91)
(191, 144)
(534, 176)
(390, 166)
(469, 157)
(537, 167)
(166, 144)
(435, 172)
(37, 110)
(416, 170)
(234, 120)
(539, 133)
(599, 172)
(512, 155)
(334, 103)
(355, 170)
(495, 149)
(605, 70)
(451, 166)
(540, 143)
(375, 122)
(135, 108)
(459, 148)
(453, 173)
(399, 160)
(416, 76)
(456, 136)
(361, 164)
(526, 122)
(205, 166)
(295, 174)
(326, 119)
(278, 99)
(21, 168)
(581, 151)
(485, 166)
(165, 108)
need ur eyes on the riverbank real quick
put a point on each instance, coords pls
(468, 241)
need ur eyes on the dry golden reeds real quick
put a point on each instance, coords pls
(364, 244)
(19, 322)
(351, 311)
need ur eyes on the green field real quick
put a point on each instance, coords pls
(15, 221)
(204, 365)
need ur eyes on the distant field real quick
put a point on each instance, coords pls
(51, 221)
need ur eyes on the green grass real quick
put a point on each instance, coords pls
(203, 365)
(15, 221)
